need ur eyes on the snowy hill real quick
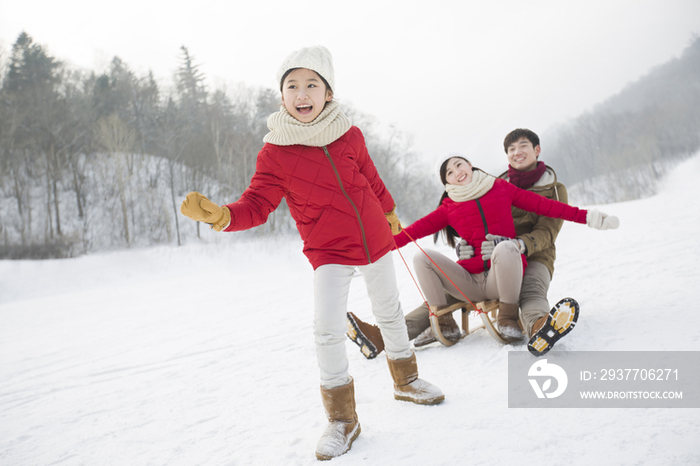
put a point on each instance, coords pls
(204, 355)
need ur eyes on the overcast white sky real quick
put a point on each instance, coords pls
(457, 75)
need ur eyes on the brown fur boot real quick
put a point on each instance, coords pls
(508, 324)
(343, 426)
(366, 336)
(407, 385)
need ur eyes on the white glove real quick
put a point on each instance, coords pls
(464, 250)
(601, 221)
(489, 245)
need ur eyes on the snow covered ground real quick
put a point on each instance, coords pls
(204, 355)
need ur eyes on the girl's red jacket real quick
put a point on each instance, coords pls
(334, 194)
(491, 213)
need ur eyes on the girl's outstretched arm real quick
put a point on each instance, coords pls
(260, 199)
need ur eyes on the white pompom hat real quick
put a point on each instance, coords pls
(316, 58)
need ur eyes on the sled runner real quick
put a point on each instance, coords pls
(560, 321)
(487, 310)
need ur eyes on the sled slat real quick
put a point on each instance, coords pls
(489, 316)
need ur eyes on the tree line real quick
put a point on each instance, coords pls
(621, 148)
(93, 161)
(101, 160)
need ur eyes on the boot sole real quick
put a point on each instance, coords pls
(425, 342)
(430, 401)
(367, 348)
(511, 340)
(321, 457)
(560, 321)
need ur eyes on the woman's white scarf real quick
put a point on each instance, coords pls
(480, 184)
(329, 125)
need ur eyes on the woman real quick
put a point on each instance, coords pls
(473, 206)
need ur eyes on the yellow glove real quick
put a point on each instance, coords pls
(198, 207)
(394, 221)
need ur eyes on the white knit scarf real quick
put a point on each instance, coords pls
(329, 125)
(480, 184)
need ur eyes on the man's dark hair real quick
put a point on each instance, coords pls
(517, 134)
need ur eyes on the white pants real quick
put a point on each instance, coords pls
(331, 287)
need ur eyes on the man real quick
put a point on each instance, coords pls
(535, 236)
(538, 234)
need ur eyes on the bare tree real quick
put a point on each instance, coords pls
(118, 140)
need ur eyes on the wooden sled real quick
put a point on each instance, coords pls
(488, 314)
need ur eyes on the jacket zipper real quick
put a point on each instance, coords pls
(357, 212)
(486, 232)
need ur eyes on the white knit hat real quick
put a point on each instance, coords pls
(316, 58)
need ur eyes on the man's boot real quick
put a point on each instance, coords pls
(366, 336)
(448, 327)
(407, 385)
(550, 328)
(508, 324)
(343, 426)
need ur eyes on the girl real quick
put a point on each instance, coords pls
(477, 207)
(315, 159)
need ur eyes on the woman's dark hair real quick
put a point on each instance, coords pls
(448, 232)
(443, 169)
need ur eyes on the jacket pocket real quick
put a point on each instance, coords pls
(315, 227)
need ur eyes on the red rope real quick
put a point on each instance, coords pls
(476, 309)
(414, 280)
